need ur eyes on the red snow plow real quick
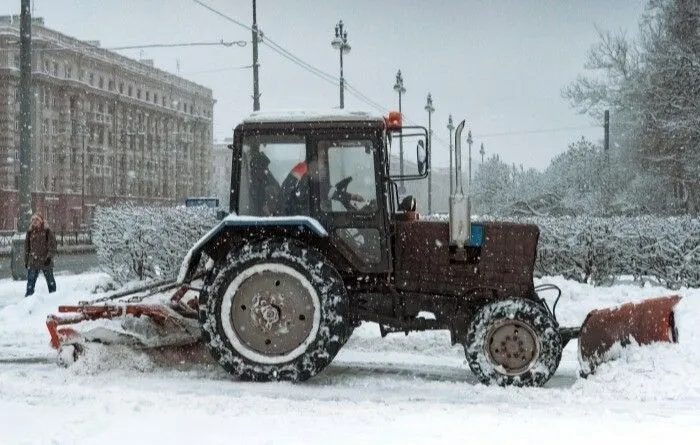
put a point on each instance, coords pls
(151, 325)
(645, 322)
(312, 255)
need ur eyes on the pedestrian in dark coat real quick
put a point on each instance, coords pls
(39, 250)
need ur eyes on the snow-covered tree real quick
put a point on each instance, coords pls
(668, 93)
(141, 243)
(492, 187)
(651, 87)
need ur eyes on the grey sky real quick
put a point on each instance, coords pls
(501, 64)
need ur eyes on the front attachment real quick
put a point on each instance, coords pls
(605, 330)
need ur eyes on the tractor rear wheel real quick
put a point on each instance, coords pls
(513, 342)
(277, 310)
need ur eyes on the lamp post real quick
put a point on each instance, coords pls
(399, 88)
(470, 141)
(451, 127)
(340, 42)
(430, 109)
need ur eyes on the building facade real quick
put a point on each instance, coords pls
(106, 130)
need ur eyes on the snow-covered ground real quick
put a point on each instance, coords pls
(412, 389)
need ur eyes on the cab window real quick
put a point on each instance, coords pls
(273, 176)
(349, 183)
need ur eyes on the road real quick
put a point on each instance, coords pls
(65, 262)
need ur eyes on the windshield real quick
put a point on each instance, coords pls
(269, 164)
(278, 178)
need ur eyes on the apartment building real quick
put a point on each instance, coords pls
(107, 129)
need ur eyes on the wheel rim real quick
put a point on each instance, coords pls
(271, 313)
(512, 346)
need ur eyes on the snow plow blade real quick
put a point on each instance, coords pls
(606, 330)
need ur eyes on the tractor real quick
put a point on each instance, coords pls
(319, 239)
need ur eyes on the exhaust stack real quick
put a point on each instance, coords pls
(460, 203)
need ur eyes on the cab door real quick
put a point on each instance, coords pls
(350, 198)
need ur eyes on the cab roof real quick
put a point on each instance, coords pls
(331, 115)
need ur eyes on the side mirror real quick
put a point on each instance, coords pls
(422, 157)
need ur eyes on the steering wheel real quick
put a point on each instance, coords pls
(341, 194)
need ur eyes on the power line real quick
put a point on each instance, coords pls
(279, 49)
(239, 43)
(220, 70)
(539, 131)
(223, 15)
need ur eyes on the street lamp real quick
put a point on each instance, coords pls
(469, 141)
(399, 88)
(340, 42)
(451, 127)
(430, 109)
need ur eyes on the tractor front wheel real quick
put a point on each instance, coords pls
(513, 342)
(277, 310)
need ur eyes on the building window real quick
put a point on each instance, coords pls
(138, 93)
(68, 70)
(155, 98)
(55, 69)
(47, 66)
(81, 75)
(184, 107)
(92, 78)
(148, 96)
(130, 90)
(164, 102)
(110, 86)
(121, 87)
(102, 82)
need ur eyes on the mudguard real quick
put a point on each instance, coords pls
(191, 260)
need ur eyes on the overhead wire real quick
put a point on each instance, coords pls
(220, 70)
(239, 43)
(279, 49)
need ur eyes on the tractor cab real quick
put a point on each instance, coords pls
(333, 168)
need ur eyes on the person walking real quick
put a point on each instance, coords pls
(39, 250)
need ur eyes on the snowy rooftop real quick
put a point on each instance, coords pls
(311, 116)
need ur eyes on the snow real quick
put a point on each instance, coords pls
(311, 116)
(400, 389)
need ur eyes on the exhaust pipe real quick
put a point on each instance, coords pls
(460, 203)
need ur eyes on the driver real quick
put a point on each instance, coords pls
(295, 187)
(294, 194)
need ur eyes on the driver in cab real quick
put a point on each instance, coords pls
(295, 187)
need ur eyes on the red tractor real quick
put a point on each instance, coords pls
(319, 240)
